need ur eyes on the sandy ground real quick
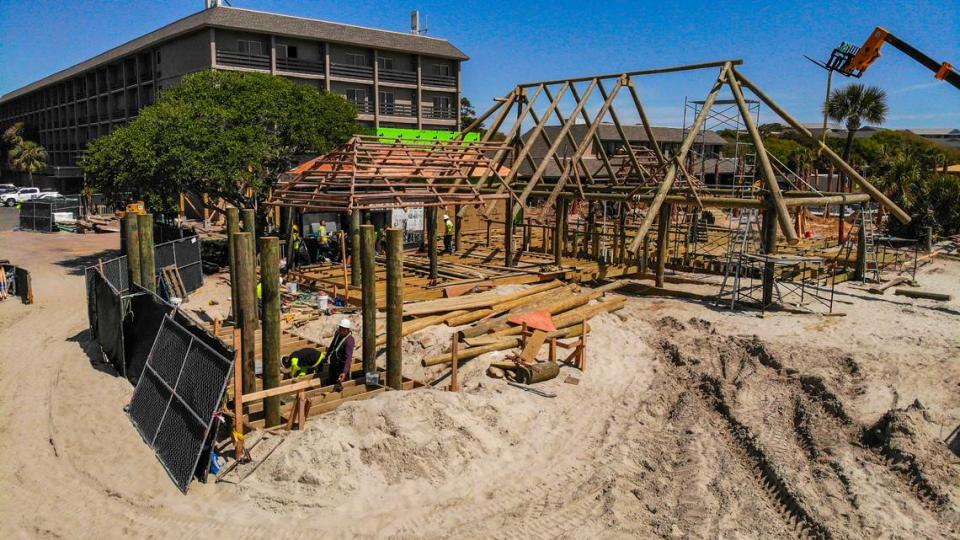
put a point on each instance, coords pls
(689, 421)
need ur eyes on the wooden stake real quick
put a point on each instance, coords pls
(343, 266)
(394, 308)
(454, 364)
(431, 216)
(238, 416)
(662, 228)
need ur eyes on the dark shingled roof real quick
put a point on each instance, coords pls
(259, 21)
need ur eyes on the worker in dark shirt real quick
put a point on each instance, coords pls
(340, 351)
(304, 362)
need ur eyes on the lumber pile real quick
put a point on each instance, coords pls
(490, 317)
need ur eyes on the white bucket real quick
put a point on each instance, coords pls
(292, 287)
(323, 301)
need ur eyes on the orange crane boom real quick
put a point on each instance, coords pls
(862, 57)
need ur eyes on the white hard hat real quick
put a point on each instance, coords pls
(446, 216)
(345, 323)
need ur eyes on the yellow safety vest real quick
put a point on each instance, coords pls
(449, 225)
(296, 370)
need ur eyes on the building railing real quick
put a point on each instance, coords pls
(395, 75)
(363, 107)
(398, 109)
(239, 59)
(300, 66)
(346, 70)
(439, 113)
(439, 80)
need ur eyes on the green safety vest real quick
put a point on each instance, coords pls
(449, 225)
(296, 370)
(259, 291)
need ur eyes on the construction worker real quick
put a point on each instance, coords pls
(303, 362)
(447, 235)
(340, 351)
(298, 248)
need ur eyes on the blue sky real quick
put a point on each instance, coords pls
(511, 42)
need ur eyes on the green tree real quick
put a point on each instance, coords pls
(220, 133)
(467, 113)
(854, 105)
(24, 156)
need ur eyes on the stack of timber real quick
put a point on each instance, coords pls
(491, 329)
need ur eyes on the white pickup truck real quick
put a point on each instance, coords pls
(20, 195)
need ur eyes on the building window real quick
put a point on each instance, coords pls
(251, 47)
(387, 101)
(287, 51)
(442, 69)
(441, 102)
(356, 95)
(354, 59)
(384, 62)
(158, 57)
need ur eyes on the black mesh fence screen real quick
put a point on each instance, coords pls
(173, 404)
(145, 315)
(109, 321)
(185, 255)
(38, 215)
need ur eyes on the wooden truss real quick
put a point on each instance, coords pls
(375, 173)
(636, 174)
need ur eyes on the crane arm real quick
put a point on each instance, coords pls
(870, 51)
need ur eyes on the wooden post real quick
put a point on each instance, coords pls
(488, 233)
(583, 345)
(247, 307)
(238, 392)
(622, 233)
(343, 266)
(368, 252)
(769, 248)
(457, 225)
(182, 213)
(663, 226)
(132, 232)
(394, 308)
(249, 218)
(644, 253)
(355, 268)
(558, 233)
(148, 270)
(233, 227)
(454, 385)
(270, 334)
(431, 216)
(508, 233)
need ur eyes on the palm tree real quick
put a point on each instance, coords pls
(28, 157)
(854, 105)
(13, 135)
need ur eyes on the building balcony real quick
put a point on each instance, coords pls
(446, 81)
(353, 72)
(363, 107)
(398, 109)
(300, 66)
(395, 75)
(439, 113)
(245, 60)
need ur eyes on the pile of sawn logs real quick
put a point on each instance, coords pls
(487, 315)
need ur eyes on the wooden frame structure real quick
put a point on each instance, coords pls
(628, 177)
(375, 173)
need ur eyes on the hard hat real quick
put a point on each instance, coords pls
(345, 323)
(446, 216)
(296, 228)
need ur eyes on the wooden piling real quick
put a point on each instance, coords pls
(368, 253)
(132, 233)
(249, 218)
(270, 298)
(355, 268)
(861, 264)
(457, 225)
(394, 308)
(148, 270)
(233, 227)
(431, 216)
(770, 248)
(246, 307)
(663, 226)
(558, 233)
(454, 363)
(508, 234)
